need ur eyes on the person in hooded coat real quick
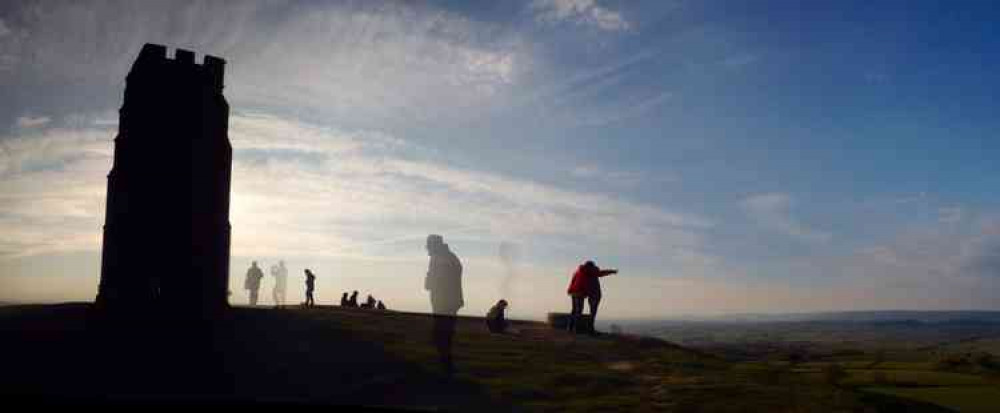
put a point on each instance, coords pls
(444, 282)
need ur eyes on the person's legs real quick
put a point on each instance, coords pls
(274, 296)
(444, 330)
(575, 313)
(593, 302)
(253, 296)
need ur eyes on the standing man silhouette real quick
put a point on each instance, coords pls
(444, 281)
(254, 275)
(280, 274)
(310, 287)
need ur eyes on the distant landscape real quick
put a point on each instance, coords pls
(947, 358)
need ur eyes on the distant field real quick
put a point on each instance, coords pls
(972, 399)
(903, 378)
(899, 359)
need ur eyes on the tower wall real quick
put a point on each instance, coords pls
(166, 231)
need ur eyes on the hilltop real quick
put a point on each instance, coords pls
(334, 356)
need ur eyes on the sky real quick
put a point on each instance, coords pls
(771, 156)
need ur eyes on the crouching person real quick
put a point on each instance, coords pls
(495, 319)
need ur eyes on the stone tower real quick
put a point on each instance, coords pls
(166, 228)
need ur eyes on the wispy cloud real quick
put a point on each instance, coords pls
(32, 122)
(586, 12)
(950, 215)
(619, 178)
(620, 111)
(773, 211)
(377, 64)
(301, 189)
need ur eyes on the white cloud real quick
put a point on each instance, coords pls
(950, 215)
(620, 111)
(300, 189)
(580, 12)
(619, 178)
(52, 190)
(773, 210)
(367, 63)
(32, 122)
(345, 200)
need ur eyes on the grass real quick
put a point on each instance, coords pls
(972, 399)
(334, 355)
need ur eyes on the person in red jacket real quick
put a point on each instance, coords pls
(586, 284)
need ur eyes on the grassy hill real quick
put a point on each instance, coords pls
(357, 357)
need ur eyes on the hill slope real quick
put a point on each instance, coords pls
(350, 356)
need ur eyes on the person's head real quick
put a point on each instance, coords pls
(345, 294)
(253, 263)
(435, 244)
(281, 263)
(589, 264)
(502, 303)
(354, 293)
(308, 272)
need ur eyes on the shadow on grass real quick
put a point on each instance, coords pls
(254, 356)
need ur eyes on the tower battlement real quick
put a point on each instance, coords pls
(211, 70)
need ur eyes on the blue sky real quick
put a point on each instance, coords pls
(726, 156)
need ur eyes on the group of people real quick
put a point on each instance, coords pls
(444, 283)
(280, 273)
(584, 286)
(254, 277)
(352, 301)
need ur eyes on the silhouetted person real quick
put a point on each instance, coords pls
(586, 284)
(280, 274)
(343, 300)
(310, 287)
(380, 305)
(353, 301)
(369, 302)
(496, 321)
(444, 281)
(252, 283)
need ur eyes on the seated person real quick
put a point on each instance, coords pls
(369, 302)
(495, 319)
(380, 306)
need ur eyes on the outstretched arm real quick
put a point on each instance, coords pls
(605, 273)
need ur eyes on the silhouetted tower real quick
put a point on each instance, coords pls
(166, 229)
